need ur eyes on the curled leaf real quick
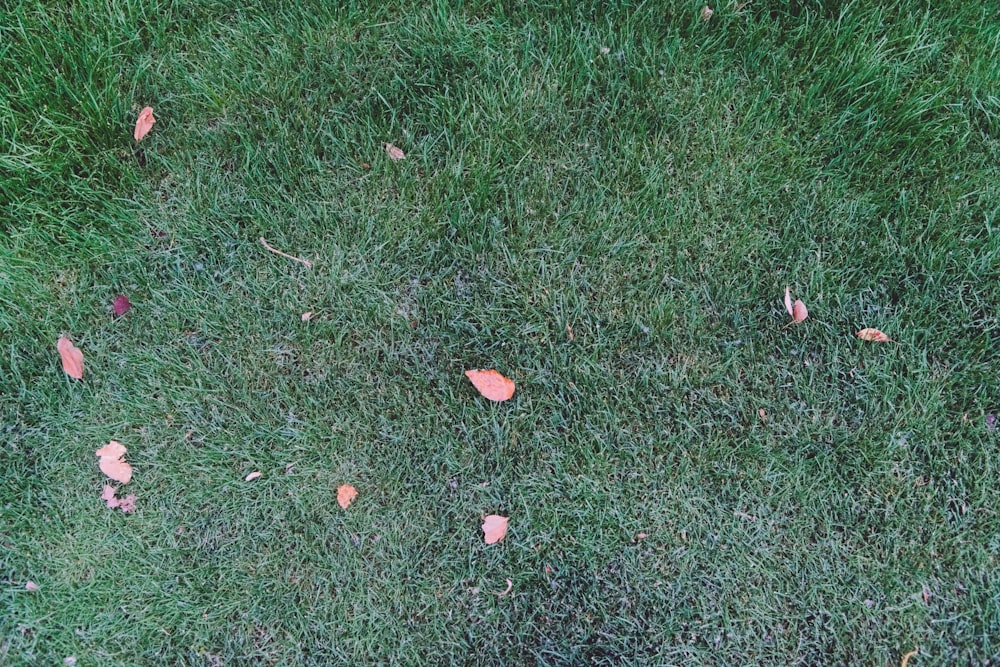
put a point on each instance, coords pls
(394, 153)
(345, 494)
(491, 384)
(252, 476)
(797, 310)
(494, 528)
(72, 358)
(144, 123)
(873, 335)
(510, 586)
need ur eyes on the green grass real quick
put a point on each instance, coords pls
(655, 199)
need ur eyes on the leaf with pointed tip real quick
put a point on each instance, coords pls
(72, 358)
(144, 123)
(491, 384)
(799, 311)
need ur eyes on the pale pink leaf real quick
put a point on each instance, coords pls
(72, 358)
(799, 311)
(394, 153)
(494, 528)
(144, 123)
(127, 504)
(31, 586)
(306, 316)
(252, 476)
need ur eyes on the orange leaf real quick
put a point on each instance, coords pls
(144, 123)
(72, 358)
(494, 528)
(252, 476)
(394, 153)
(491, 384)
(873, 335)
(345, 494)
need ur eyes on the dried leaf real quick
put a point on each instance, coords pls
(112, 464)
(494, 528)
(144, 123)
(394, 153)
(127, 504)
(925, 593)
(491, 384)
(706, 13)
(798, 310)
(510, 585)
(345, 494)
(762, 415)
(31, 586)
(72, 358)
(907, 656)
(108, 496)
(121, 305)
(306, 316)
(873, 335)
(112, 450)
(252, 476)
(641, 536)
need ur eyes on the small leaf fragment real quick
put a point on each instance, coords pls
(112, 462)
(798, 310)
(112, 450)
(72, 358)
(306, 316)
(706, 13)
(491, 384)
(510, 586)
(31, 586)
(121, 305)
(873, 335)
(252, 476)
(108, 496)
(144, 123)
(345, 494)
(127, 504)
(394, 153)
(494, 528)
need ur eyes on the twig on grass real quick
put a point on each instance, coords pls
(285, 254)
(907, 656)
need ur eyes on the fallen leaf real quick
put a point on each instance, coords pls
(569, 330)
(605, 50)
(112, 464)
(925, 593)
(991, 422)
(252, 476)
(127, 504)
(706, 13)
(762, 415)
(907, 656)
(873, 335)
(510, 585)
(69, 660)
(394, 153)
(112, 450)
(108, 496)
(72, 358)
(31, 586)
(306, 316)
(121, 305)
(345, 494)
(144, 123)
(797, 310)
(494, 528)
(491, 384)
(642, 536)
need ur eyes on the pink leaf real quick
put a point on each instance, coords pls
(31, 586)
(494, 528)
(394, 153)
(127, 504)
(121, 305)
(144, 123)
(252, 476)
(72, 358)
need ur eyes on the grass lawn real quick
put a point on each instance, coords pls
(604, 202)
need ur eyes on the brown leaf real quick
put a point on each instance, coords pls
(491, 384)
(494, 528)
(873, 335)
(925, 593)
(121, 305)
(144, 123)
(252, 476)
(31, 586)
(72, 358)
(394, 153)
(345, 494)
(112, 464)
